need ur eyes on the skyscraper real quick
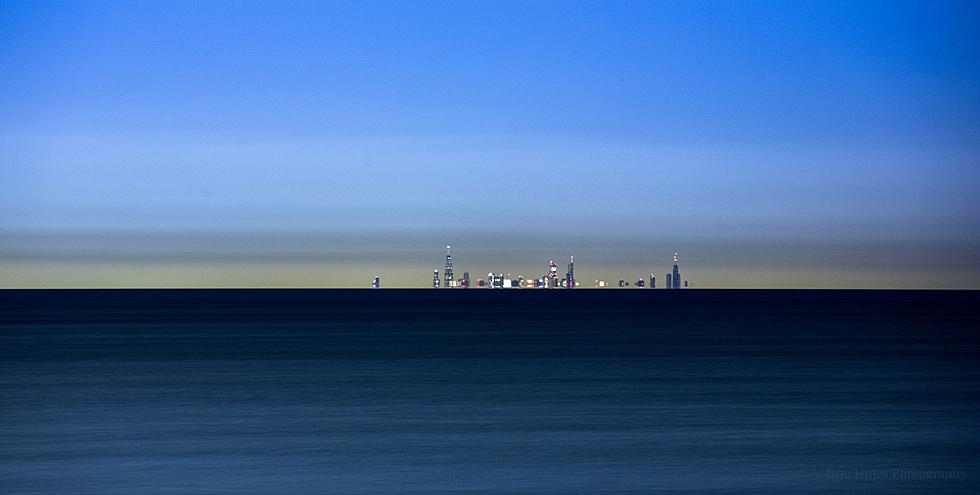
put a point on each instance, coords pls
(376, 283)
(653, 281)
(552, 274)
(435, 278)
(448, 274)
(466, 280)
(570, 275)
(668, 286)
(677, 274)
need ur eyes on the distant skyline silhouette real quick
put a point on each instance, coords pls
(774, 144)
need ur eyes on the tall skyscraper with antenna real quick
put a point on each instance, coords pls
(570, 275)
(676, 279)
(448, 274)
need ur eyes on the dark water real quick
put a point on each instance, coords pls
(478, 391)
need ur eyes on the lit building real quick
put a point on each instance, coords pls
(667, 286)
(448, 274)
(376, 283)
(677, 274)
(653, 281)
(552, 274)
(435, 278)
(640, 283)
(570, 275)
(465, 282)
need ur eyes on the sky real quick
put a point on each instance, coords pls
(208, 144)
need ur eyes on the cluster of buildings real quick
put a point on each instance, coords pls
(549, 280)
(673, 280)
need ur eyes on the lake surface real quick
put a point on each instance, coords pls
(489, 391)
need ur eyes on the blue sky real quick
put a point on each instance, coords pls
(671, 125)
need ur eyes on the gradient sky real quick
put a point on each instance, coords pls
(773, 144)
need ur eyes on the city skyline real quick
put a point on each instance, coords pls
(318, 143)
(318, 260)
(547, 280)
(228, 229)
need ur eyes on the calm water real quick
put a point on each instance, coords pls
(615, 391)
